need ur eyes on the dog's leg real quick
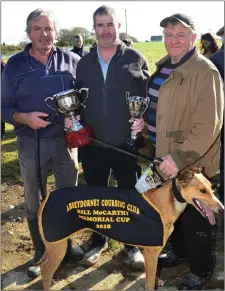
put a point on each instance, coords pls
(54, 256)
(151, 261)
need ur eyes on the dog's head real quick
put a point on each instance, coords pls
(197, 190)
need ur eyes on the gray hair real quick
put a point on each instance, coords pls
(105, 10)
(36, 14)
(175, 22)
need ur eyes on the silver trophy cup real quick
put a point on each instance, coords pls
(137, 107)
(68, 103)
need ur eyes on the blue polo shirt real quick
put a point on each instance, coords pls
(104, 65)
(26, 82)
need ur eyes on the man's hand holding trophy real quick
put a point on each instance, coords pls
(137, 106)
(69, 103)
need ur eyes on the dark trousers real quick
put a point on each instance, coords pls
(97, 163)
(192, 238)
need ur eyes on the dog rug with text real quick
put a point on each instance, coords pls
(121, 214)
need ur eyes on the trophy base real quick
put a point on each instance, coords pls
(134, 144)
(76, 140)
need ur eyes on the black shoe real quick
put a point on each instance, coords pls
(169, 259)
(34, 270)
(194, 282)
(74, 253)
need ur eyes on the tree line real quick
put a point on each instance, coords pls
(65, 39)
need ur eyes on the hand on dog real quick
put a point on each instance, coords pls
(68, 123)
(168, 167)
(137, 125)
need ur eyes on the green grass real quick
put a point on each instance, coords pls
(10, 171)
(153, 52)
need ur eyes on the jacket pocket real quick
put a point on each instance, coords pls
(176, 136)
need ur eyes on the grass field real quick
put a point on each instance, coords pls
(153, 51)
(10, 173)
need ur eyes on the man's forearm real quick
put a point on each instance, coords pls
(20, 117)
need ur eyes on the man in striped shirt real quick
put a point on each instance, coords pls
(184, 120)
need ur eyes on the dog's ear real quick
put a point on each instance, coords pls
(185, 175)
(196, 170)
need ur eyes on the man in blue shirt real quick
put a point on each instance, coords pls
(113, 70)
(41, 70)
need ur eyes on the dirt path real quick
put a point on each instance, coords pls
(109, 274)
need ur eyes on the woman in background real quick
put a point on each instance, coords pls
(208, 44)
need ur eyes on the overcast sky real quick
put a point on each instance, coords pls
(143, 17)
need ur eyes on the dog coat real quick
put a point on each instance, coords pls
(121, 214)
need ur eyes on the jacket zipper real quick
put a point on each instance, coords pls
(110, 67)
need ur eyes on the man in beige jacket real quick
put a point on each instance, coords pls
(184, 121)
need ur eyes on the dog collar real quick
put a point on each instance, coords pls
(176, 192)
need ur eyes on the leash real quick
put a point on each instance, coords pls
(152, 162)
(38, 163)
(155, 161)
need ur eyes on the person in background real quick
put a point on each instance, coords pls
(218, 60)
(94, 44)
(78, 46)
(208, 44)
(109, 71)
(184, 121)
(41, 70)
(128, 42)
(2, 122)
(218, 57)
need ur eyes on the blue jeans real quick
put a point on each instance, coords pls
(54, 154)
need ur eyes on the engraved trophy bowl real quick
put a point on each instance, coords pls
(137, 106)
(69, 103)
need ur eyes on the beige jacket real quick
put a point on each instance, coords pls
(190, 113)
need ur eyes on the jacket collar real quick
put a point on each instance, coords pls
(28, 47)
(182, 68)
(78, 49)
(120, 49)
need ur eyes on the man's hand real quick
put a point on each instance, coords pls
(168, 167)
(137, 125)
(32, 119)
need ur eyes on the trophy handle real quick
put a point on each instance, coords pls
(146, 102)
(46, 101)
(87, 91)
(127, 96)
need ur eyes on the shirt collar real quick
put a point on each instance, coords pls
(28, 47)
